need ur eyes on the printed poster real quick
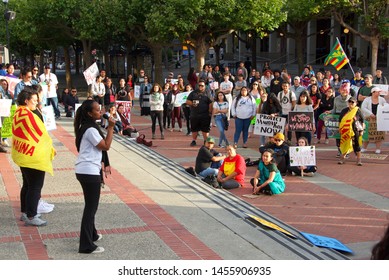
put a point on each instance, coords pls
(12, 82)
(127, 108)
(331, 123)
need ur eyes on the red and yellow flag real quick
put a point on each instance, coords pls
(337, 57)
(31, 144)
(347, 132)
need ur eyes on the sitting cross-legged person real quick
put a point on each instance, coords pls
(233, 170)
(281, 152)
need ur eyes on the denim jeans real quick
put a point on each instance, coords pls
(209, 171)
(54, 101)
(241, 125)
(220, 127)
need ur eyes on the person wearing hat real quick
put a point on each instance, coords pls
(51, 81)
(365, 91)
(281, 151)
(369, 110)
(232, 171)
(350, 134)
(208, 160)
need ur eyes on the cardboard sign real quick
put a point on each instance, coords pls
(5, 107)
(268, 126)
(49, 118)
(181, 98)
(6, 129)
(137, 91)
(300, 121)
(383, 117)
(127, 108)
(91, 73)
(385, 89)
(331, 123)
(271, 225)
(327, 242)
(302, 156)
(375, 135)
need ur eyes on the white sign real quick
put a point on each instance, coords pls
(214, 85)
(12, 82)
(385, 89)
(181, 98)
(91, 73)
(137, 91)
(5, 107)
(268, 126)
(49, 118)
(383, 117)
(302, 156)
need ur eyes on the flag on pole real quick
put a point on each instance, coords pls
(337, 57)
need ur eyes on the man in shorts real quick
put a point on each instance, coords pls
(200, 112)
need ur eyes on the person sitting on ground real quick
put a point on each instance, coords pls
(233, 170)
(70, 101)
(128, 129)
(308, 171)
(281, 152)
(208, 160)
(267, 178)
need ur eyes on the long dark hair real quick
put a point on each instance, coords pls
(381, 249)
(308, 101)
(239, 96)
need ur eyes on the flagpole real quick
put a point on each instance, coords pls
(352, 70)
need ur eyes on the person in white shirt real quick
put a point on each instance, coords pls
(287, 99)
(51, 81)
(226, 88)
(98, 90)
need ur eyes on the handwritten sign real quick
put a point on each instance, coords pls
(328, 242)
(268, 126)
(49, 118)
(91, 73)
(6, 129)
(214, 85)
(137, 91)
(5, 107)
(181, 98)
(383, 117)
(331, 123)
(300, 121)
(375, 135)
(302, 156)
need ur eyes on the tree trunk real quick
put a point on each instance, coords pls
(41, 61)
(217, 54)
(53, 60)
(77, 62)
(298, 38)
(374, 53)
(157, 52)
(87, 47)
(67, 67)
(107, 62)
(254, 53)
(200, 51)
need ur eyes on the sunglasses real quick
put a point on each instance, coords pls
(351, 101)
(201, 85)
(278, 140)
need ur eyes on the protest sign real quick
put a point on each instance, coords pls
(91, 73)
(373, 134)
(5, 107)
(6, 129)
(385, 89)
(331, 123)
(383, 117)
(302, 156)
(268, 126)
(127, 108)
(300, 121)
(214, 85)
(181, 98)
(12, 82)
(137, 91)
(49, 117)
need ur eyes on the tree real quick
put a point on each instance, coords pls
(374, 22)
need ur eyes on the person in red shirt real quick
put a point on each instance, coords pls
(233, 170)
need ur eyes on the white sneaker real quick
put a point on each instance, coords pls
(44, 207)
(326, 141)
(363, 150)
(5, 143)
(38, 222)
(378, 151)
(98, 250)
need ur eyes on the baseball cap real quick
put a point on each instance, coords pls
(359, 70)
(352, 99)
(376, 89)
(280, 136)
(345, 81)
(297, 78)
(368, 76)
(210, 140)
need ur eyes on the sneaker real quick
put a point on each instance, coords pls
(363, 150)
(193, 143)
(326, 141)
(359, 163)
(98, 250)
(100, 236)
(309, 174)
(293, 173)
(2, 150)
(38, 222)
(338, 155)
(180, 130)
(340, 162)
(347, 156)
(378, 151)
(23, 217)
(44, 207)
(5, 143)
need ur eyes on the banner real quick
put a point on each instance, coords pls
(181, 98)
(49, 118)
(6, 129)
(383, 117)
(300, 121)
(337, 57)
(127, 108)
(331, 123)
(5, 107)
(268, 126)
(91, 73)
(302, 156)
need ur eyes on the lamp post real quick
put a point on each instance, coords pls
(8, 15)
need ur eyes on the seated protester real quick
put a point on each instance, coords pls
(281, 152)
(118, 128)
(208, 160)
(69, 102)
(233, 170)
(267, 179)
(126, 126)
(308, 171)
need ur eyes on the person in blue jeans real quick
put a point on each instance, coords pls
(208, 160)
(243, 109)
(220, 112)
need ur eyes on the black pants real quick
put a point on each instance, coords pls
(167, 115)
(187, 117)
(154, 116)
(91, 185)
(30, 193)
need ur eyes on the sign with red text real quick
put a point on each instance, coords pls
(300, 121)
